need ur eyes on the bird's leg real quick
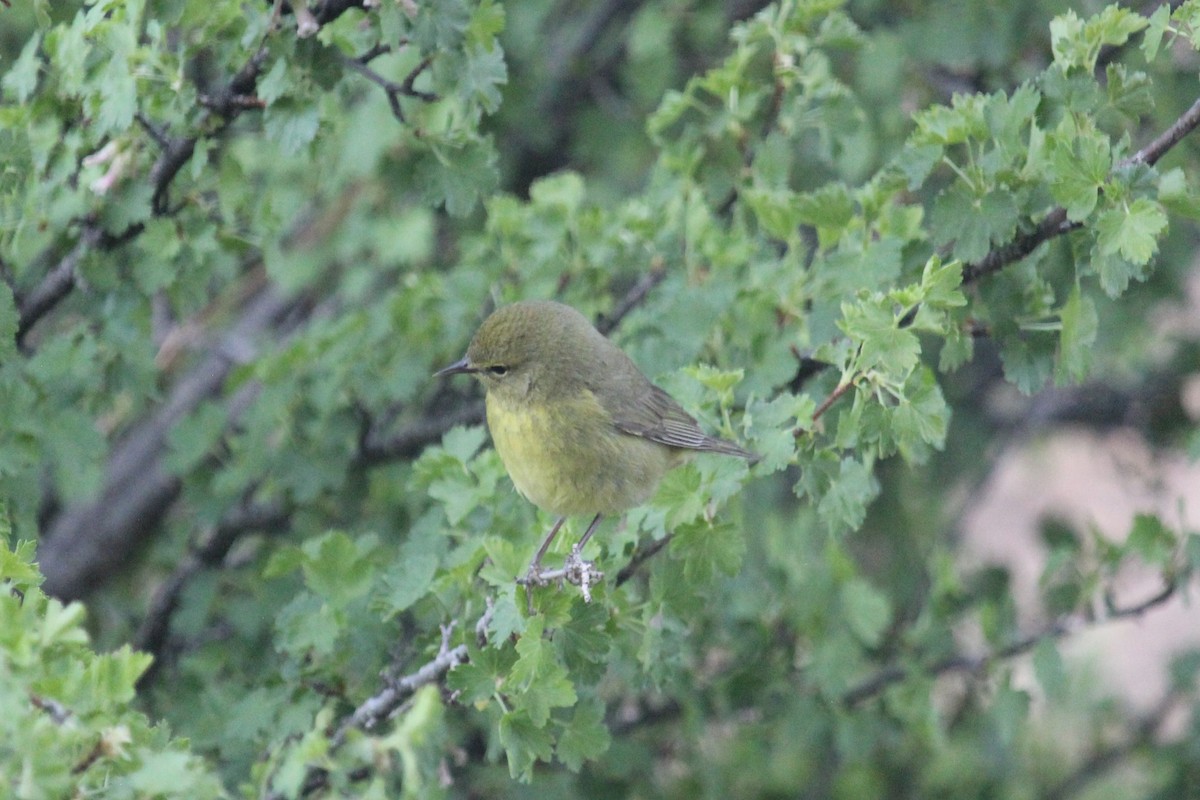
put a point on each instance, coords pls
(533, 576)
(574, 570)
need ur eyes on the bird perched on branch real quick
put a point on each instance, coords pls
(579, 428)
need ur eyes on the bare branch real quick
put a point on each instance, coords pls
(86, 540)
(393, 90)
(1151, 153)
(636, 295)
(57, 284)
(640, 557)
(380, 706)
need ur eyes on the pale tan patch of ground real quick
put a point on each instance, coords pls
(1101, 481)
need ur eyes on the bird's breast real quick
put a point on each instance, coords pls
(566, 456)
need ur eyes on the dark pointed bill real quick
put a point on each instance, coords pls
(457, 368)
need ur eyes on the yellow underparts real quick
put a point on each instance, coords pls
(566, 456)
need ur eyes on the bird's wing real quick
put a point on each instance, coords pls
(655, 415)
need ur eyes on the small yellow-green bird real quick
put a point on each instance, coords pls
(579, 428)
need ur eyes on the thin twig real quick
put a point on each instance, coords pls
(157, 132)
(640, 557)
(636, 295)
(393, 90)
(1151, 153)
(1057, 629)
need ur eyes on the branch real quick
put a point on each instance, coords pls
(633, 298)
(1055, 223)
(393, 90)
(57, 284)
(1151, 153)
(1058, 629)
(87, 540)
(640, 557)
(396, 692)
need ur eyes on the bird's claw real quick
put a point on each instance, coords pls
(574, 571)
(581, 573)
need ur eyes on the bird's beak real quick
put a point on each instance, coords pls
(457, 368)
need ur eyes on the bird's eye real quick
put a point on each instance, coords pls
(499, 370)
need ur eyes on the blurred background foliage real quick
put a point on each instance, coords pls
(236, 241)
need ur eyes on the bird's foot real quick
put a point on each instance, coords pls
(574, 571)
(581, 573)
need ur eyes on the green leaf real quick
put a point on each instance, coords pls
(308, 627)
(507, 620)
(1048, 666)
(291, 124)
(464, 442)
(720, 381)
(163, 773)
(1132, 231)
(834, 662)
(1077, 43)
(9, 322)
(16, 564)
(1115, 272)
(921, 417)
(195, 436)
(118, 90)
(708, 549)
(22, 77)
(538, 681)
(1151, 540)
(917, 161)
(1078, 169)
(883, 346)
(867, 611)
(1176, 195)
(973, 221)
(1029, 362)
(409, 582)
(487, 22)
(474, 683)
(524, 744)
(844, 504)
(484, 72)
(1157, 25)
(1010, 709)
(773, 424)
(1080, 324)
(680, 497)
(829, 208)
(339, 568)
(563, 191)
(941, 284)
(457, 176)
(584, 737)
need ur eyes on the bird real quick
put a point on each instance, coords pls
(580, 430)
